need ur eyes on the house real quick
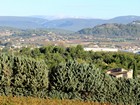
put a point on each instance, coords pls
(120, 72)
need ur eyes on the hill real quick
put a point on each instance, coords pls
(21, 22)
(76, 24)
(72, 24)
(124, 19)
(114, 29)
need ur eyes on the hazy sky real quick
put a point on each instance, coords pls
(79, 8)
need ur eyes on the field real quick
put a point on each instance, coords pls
(36, 101)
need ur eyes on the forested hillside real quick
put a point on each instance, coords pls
(131, 29)
(69, 73)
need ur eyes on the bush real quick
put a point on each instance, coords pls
(24, 75)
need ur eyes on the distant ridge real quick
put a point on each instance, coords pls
(21, 22)
(124, 19)
(73, 24)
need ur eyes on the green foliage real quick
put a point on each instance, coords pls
(23, 76)
(113, 30)
(86, 82)
(54, 55)
(73, 76)
(72, 73)
(135, 71)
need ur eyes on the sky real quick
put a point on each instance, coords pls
(70, 8)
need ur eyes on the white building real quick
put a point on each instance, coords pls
(101, 49)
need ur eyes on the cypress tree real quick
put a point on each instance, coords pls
(135, 69)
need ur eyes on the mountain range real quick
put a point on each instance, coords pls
(72, 24)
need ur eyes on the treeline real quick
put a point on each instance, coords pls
(15, 32)
(68, 73)
(53, 55)
(31, 32)
(132, 29)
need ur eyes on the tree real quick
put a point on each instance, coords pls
(135, 69)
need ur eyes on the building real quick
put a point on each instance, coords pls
(102, 49)
(120, 72)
